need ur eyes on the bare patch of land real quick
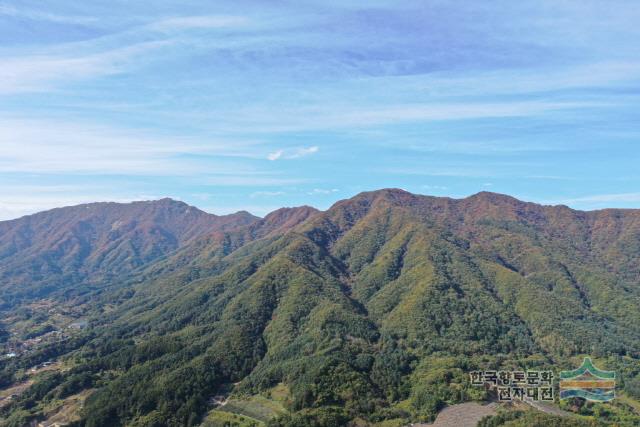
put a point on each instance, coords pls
(462, 415)
(8, 394)
(68, 411)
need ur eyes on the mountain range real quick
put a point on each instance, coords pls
(372, 312)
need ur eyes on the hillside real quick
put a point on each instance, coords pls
(63, 247)
(373, 310)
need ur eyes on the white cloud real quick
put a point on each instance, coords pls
(266, 194)
(275, 155)
(36, 15)
(317, 191)
(301, 152)
(434, 187)
(605, 198)
(48, 146)
(46, 69)
(294, 153)
(42, 72)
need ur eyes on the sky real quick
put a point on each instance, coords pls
(255, 105)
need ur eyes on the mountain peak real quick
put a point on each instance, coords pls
(101, 239)
(165, 201)
(491, 197)
(389, 193)
(248, 217)
(286, 218)
(394, 196)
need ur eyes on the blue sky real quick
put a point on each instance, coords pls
(255, 105)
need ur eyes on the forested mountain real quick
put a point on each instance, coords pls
(370, 313)
(62, 247)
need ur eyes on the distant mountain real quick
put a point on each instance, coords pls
(62, 247)
(372, 311)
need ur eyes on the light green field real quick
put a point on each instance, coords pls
(218, 418)
(280, 393)
(256, 407)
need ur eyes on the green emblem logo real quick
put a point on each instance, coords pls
(588, 382)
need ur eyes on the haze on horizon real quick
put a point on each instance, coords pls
(252, 106)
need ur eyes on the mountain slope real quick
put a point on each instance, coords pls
(375, 309)
(59, 248)
(555, 253)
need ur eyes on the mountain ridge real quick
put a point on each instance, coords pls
(487, 195)
(374, 309)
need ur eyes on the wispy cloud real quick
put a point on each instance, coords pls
(327, 116)
(275, 155)
(266, 194)
(451, 111)
(320, 191)
(604, 198)
(434, 187)
(37, 15)
(42, 72)
(49, 146)
(293, 153)
(197, 98)
(198, 22)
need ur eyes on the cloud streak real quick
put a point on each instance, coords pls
(182, 23)
(293, 153)
(229, 100)
(36, 15)
(266, 194)
(605, 198)
(322, 191)
(48, 146)
(44, 72)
